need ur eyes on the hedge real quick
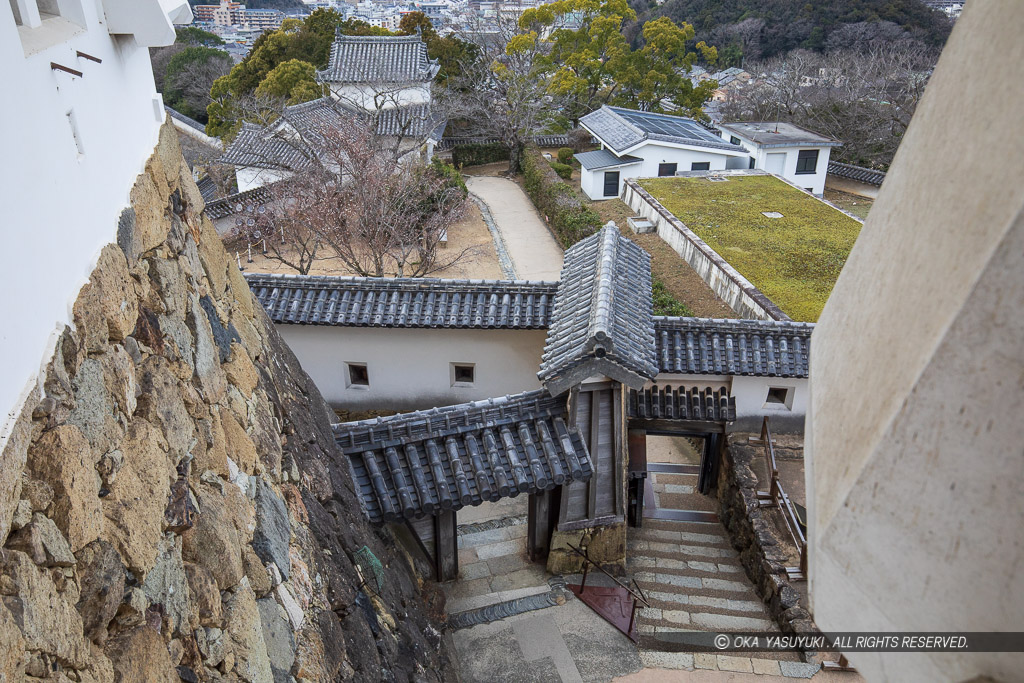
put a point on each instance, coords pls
(477, 154)
(564, 171)
(570, 220)
(565, 155)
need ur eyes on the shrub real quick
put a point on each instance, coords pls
(477, 154)
(570, 220)
(564, 171)
(580, 139)
(665, 303)
(564, 155)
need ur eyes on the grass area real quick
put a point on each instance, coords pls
(794, 260)
(855, 204)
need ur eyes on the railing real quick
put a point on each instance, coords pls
(776, 497)
(637, 594)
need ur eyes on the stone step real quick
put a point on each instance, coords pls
(648, 580)
(693, 567)
(675, 536)
(712, 621)
(670, 549)
(677, 525)
(697, 602)
(762, 664)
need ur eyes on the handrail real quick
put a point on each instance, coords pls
(638, 595)
(779, 497)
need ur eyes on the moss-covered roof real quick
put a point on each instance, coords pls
(794, 259)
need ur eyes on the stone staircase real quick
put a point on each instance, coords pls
(695, 582)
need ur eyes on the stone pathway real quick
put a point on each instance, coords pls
(533, 251)
(695, 582)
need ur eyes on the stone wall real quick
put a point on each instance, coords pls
(171, 500)
(734, 289)
(754, 535)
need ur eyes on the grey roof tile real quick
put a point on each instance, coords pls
(378, 59)
(187, 120)
(602, 322)
(417, 464)
(226, 206)
(621, 129)
(273, 147)
(864, 175)
(661, 402)
(404, 302)
(703, 346)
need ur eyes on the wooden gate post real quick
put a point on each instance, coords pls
(446, 546)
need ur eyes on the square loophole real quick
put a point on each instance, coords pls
(358, 375)
(463, 374)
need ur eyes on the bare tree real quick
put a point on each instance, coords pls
(503, 93)
(864, 97)
(351, 194)
(278, 225)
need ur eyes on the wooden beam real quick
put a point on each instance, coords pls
(446, 546)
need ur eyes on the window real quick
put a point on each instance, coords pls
(734, 140)
(611, 183)
(358, 375)
(463, 374)
(779, 397)
(43, 23)
(807, 161)
(667, 169)
(700, 166)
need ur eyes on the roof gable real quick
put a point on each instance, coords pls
(378, 59)
(602, 322)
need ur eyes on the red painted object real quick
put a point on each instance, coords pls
(615, 605)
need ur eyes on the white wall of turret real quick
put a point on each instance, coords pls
(81, 118)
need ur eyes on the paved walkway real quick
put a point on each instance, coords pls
(533, 250)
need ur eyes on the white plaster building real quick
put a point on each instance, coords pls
(789, 151)
(85, 121)
(637, 144)
(384, 78)
(416, 343)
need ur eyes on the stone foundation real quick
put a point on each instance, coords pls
(754, 536)
(605, 545)
(172, 504)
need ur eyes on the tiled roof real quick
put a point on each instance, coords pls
(404, 302)
(602, 322)
(378, 59)
(273, 147)
(682, 403)
(255, 147)
(602, 158)
(864, 175)
(621, 129)
(226, 206)
(417, 464)
(207, 188)
(187, 120)
(702, 346)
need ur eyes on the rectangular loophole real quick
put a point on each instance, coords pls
(463, 374)
(779, 397)
(358, 375)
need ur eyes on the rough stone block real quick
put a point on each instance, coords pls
(273, 532)
(767, 667)
(737, 664)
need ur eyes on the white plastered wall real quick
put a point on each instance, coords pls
(410, 369)
(73, 147)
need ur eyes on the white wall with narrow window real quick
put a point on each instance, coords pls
(82, 119)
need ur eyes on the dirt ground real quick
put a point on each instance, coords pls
(855, 204)
(470, 233)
